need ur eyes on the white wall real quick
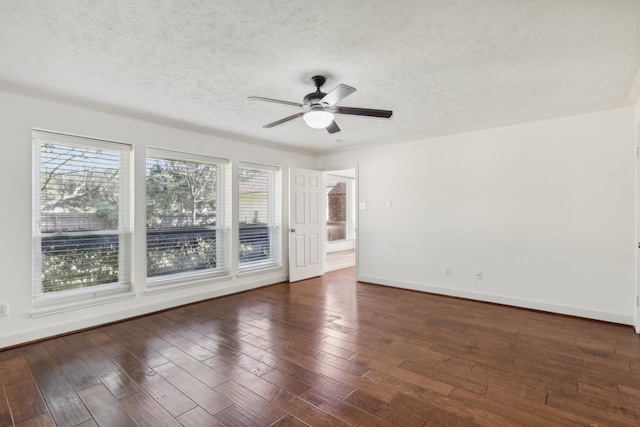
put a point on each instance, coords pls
(637, 182)
(544, 209)
(18, 115)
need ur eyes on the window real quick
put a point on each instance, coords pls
(81, 224)
(187, 236)
(259, 216)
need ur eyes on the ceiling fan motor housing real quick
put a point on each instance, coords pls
(313, 98)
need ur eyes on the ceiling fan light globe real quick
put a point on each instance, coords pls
(318, 119)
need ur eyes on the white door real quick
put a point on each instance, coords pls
(306, 200)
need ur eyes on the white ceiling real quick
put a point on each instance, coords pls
(441, 66)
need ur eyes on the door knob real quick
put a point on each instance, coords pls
(293, 230)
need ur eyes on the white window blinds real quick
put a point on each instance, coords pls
(81, 223)
(259, 216)
(186, 218)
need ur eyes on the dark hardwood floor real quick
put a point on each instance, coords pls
(329, 351)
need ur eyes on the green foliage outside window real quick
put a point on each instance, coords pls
(79, 201)
(181, 216)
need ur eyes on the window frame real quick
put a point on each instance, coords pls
(274, 215)
(161, 283)
(44, 303)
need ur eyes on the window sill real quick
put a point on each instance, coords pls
(259, 270)
(167, 285)
(56, 305)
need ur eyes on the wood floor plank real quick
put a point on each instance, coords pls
(235, 416)
(90, 423)
(137, 347)
(286, 382)
(111, 375)
(269, 359)
(401, 378)
(557, 416)
(289, 421)
(105, 408)
(370, 404)
(385, 356)
(256, 341)
(200, 370)
(150, 339)
(627, 406)
(63, 402)
(630, 391)
(337, 362)
(260, 408)
(248, 363)
(171, 399)
(220, 344)
(306, 411)
(209, 399)
(601, 377)
(44, 420)
(339, 376)
(342, 409)
(11, 353)
(157, 327)
(444, 411)
(258, 385)
(582, 405)
(198, 417)
(23, 396)
(5, 411)
(323, 382)
(147, 412)
(453, 379)
(511, 412)
(79, 375)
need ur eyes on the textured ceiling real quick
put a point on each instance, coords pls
(441, 66)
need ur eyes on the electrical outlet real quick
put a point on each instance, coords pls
(479, 274)
(4, 309)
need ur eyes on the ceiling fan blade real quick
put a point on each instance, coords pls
(362, 112)
(337, 94)
(281, 121)
(277, 101)
(333, 127)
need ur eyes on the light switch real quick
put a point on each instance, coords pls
(363, 205)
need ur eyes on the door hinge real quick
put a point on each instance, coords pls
(638, 301)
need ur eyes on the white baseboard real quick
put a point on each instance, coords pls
(500, 299)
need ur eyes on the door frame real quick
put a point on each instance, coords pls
(356, 219)
(636, 317)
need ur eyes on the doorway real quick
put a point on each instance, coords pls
(340, 219)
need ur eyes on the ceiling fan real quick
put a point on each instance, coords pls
(318, 108)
